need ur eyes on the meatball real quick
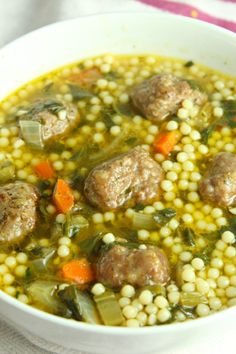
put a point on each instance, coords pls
(218, 186)
(132, 175)
(139, 267)
(161, 95)
(17, 211)
(56, 116)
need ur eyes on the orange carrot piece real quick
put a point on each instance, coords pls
(44, 170)
(62, 196)
(164, 143)
(86, 77)
(78, 270)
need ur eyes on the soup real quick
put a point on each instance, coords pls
(118, 191)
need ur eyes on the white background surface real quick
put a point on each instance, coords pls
(16, 18)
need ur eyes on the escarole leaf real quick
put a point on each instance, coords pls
(80, 304)
(153, 221)
(78, 93)
(73, 224)
(229, 107)
(31, 132)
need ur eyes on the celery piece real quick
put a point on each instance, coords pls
(109, 308)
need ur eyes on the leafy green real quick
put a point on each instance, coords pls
(132, 141)
(47, 88)
(205, 254)
(163, 216)
(56, 147)
(43, 186)
(92, 244)
(52, 105)
(31, 132)
(206, 133)
(188, 64)
(152, 221)
(41, 264)
(188, 236)
(124, 109)
(106, 116)
(229, 107)
(43, 292)
(80, 304)
(139, 207)
(73, 224)
(188, 312)
(79, 93)
(194, 84)
(112, 75)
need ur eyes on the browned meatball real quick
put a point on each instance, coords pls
(218, 186)
(139, 267)
(56, 116)
(17, 211)
(132, 175)
(161, 95)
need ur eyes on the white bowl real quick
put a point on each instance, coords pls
(65, 42)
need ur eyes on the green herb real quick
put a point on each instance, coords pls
(41, 264)
(80, 304)
(206, 133)
(77, 181)
(139, 207)
(56, 147)
(106, 115)
(194, 84)
(51, 105)
(188, 64)
(188, 312)
(132, 141)
(47, 88)
(229, 117)
(192, 299)
(73, 224)
(188, 236)
(91, 245)
(124, 109)
(205, 254)
(78, 93)
(163, 216)
(43, 186)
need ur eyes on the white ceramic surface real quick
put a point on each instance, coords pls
(65, 42)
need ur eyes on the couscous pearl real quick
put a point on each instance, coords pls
(197, 263)
(58, 165)
(60, 218)
(21, 258)
(230, 252)
(108, 238)
(231, 291)
(185, 129)
(167, 185)
(188, 275)
(222, 281)
(98, 138)
(161, 302)
(109, 216)
(128, 291)
(115, 130)
(102, 83)
(202, 310)
(64, 241)
(202, 285)
(143, 235)
(130, 311)
(145, 297)
(182, 157)
(158, 205)
(188, 287)
(193, 197)
(183, 184)
(185, 256)
(228, 237)
(174, 297)
(8, 279)
(163, 315)
(216, 213)
(98, 289)
(182, 113)
(229, 269)
(172, 125)
(217, 263)
(11, 262)
(173, 224)
(187, 218)
(213, 273)
(218, 112)
(23, 298)
(124, 301)
(63, 251)
(167, 165)
(20, 270)
(221, 221)
(149, 210)
(98, 218)
(165, 231)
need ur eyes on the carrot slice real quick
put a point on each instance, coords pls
(164, 143)
(86, 77)
(78, 270)
(44, 170)
(62, 196)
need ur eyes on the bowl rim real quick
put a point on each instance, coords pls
(102, 329)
